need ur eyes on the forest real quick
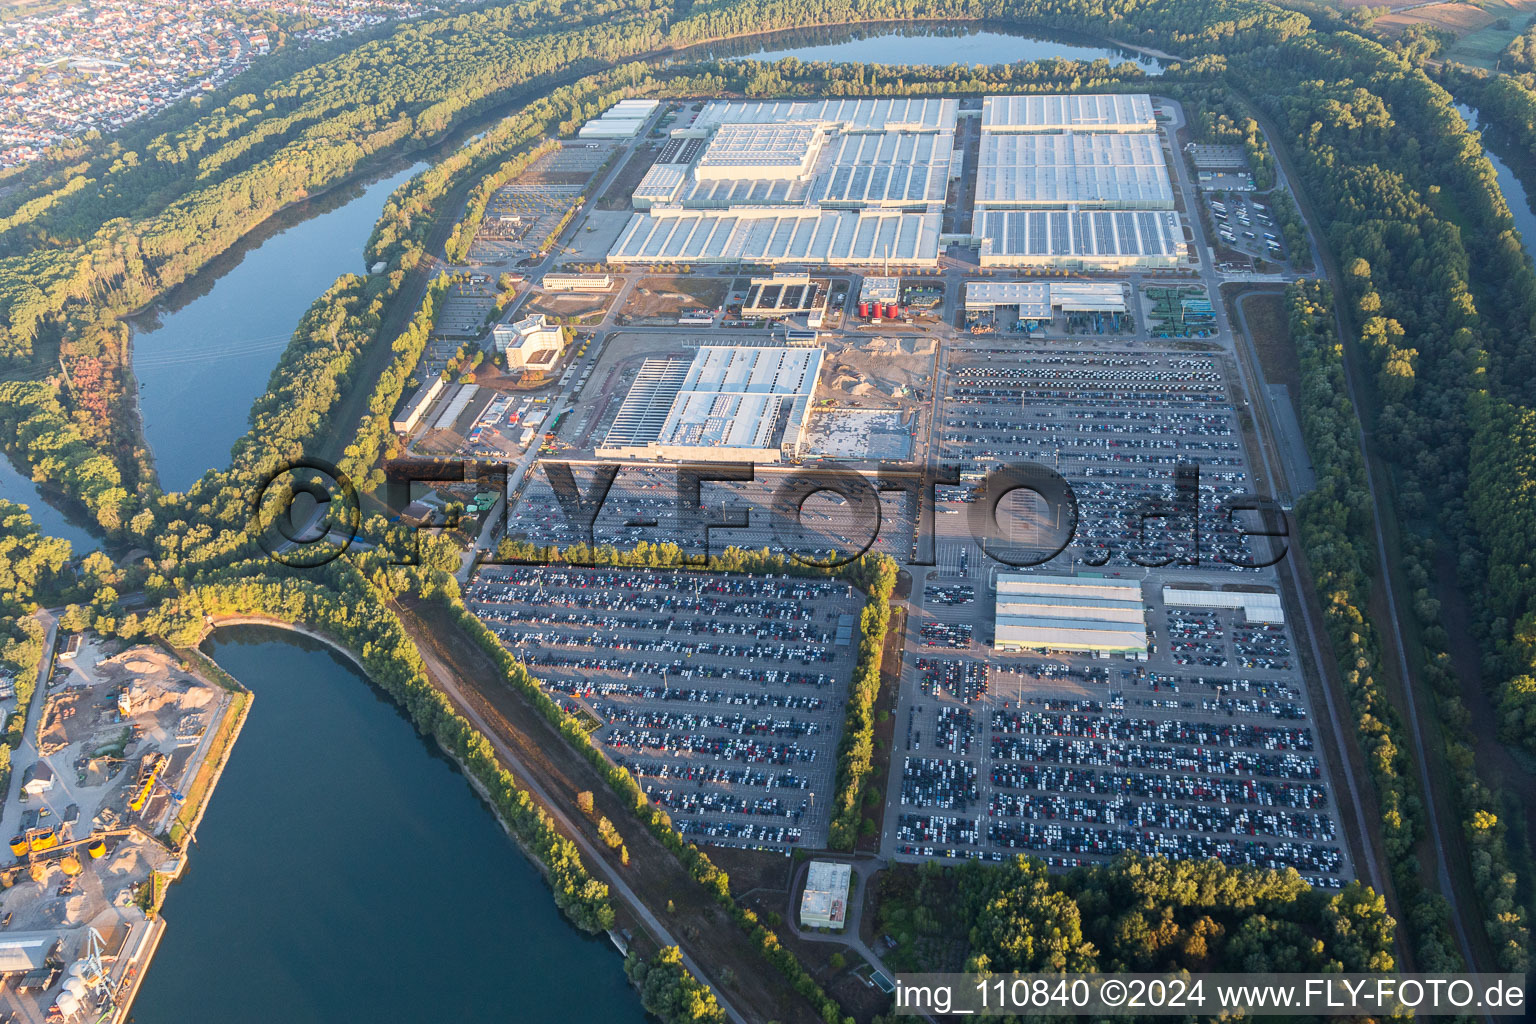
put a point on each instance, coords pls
(1133, 914)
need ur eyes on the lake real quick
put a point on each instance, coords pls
(918, 45)
(206, 357)
(20, 488)
(346, 871)
(1515, 192)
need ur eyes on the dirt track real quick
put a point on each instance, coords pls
(542, 760)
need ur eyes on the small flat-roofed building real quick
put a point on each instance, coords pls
(1032, 298)
(1257, 606)
(1040, 300)
(531, 336)
(824, 903)
(883, 290)
(1208, 157)
(729, 404)
(577, 282)
(782, 295)
(1080, 614)
(416, 406)
(25, 951)
(1088, 296)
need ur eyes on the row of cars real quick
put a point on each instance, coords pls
(723, 694)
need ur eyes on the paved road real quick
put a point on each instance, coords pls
(27, 752)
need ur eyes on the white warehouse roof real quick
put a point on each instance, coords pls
(1070, 613)
(919, 113)
(1096, 112)
(759, 151)
(1043, 236)
(1073, 167)
(778, 235)
(730, 403)
(661, 184)
(1257, 607)
(1032, 297)
(886, 168)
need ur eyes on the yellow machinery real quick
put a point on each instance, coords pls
(142, 797)
(36, 858)
(35, 840)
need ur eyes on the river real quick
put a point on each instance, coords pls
(346, 871)
(892, 45)
(206, 356)
(1515, 194)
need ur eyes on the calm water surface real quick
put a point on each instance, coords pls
(345, 871)
(1510, 183)
(201, 364)
(919, 45)
(18, 487)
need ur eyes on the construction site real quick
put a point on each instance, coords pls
(118, 755)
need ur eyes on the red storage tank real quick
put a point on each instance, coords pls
(864, 310)
(890, 310)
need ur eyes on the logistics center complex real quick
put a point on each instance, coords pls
(1069, 182)
(859, 285)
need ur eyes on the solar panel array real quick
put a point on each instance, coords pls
(799, 236)
(888, 168)
(1100, 168)
(1083, 233)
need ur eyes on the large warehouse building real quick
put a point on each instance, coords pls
(828, 182)
(1080, 614)
(1074, 181)
(727, 404)
(1061, 182)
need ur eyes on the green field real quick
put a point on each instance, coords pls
(1483, 47)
